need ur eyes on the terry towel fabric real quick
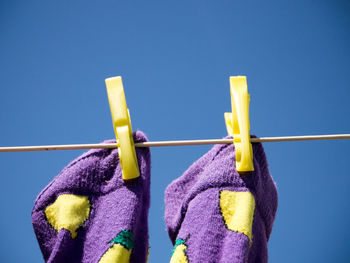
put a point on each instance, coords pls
(213, 214)
(89, 214)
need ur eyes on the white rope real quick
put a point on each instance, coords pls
(173, 143)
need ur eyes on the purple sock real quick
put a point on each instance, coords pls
(89, 214)
(213, 214)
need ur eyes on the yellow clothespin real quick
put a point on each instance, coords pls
(122, 128)
(237, 123)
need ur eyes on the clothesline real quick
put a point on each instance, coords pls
(173, 143)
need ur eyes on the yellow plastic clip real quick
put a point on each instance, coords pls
(237, 123)
(122, 128)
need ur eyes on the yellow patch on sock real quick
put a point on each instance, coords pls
(68, 212)
(179, 255)
(237, 208)
(116, 253)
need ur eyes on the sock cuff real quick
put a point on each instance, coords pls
(90, 200)
(216, 169)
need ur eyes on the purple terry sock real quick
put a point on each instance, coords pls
(89, 214)
(213, 214)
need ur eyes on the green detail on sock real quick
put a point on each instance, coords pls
(178, 241)
(125, 238)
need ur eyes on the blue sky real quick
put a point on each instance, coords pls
(175, 58)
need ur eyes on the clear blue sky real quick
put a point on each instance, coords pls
(175, 58)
